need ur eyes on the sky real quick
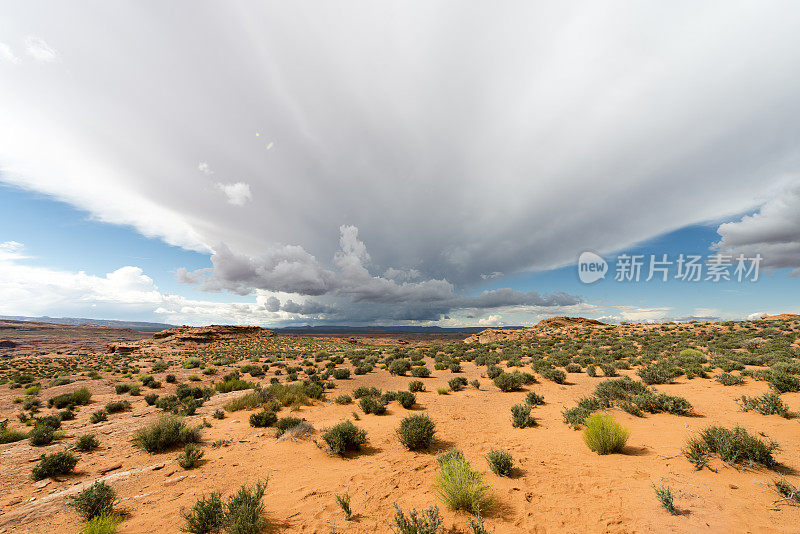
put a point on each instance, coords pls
(436, 163)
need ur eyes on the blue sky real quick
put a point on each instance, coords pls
(293, 163)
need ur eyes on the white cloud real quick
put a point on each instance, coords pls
(7, 55)
(39, 50)
(238, 194)
(205, 168)
(11, 250)
(492, 320)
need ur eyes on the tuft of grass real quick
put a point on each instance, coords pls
(345, 437)
(426, 522)
(500, 462)
(603, 435)
(343, 500)
(766, 404)
(786, 490)
(94, 501)
(102, 524)
(665, 497)
(416, 432)
(443, 390)
(461, 488)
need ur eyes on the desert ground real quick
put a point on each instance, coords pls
(557, 484)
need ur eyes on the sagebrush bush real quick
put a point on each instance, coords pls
(167, 432)
(737, 446)
(344, 437)
(727, 379)
(766, 404)
(500, 462)
(41, 435)
(426, 522)
(372, 405)
(406, 399)
(665, 497)
(603, 435)
(461, 488)
(521, 416)
(534, 399)
(243, 513)
(285, 423)
(95, 500)
(264, 418)
(416, 386)
(508, 381)
(207, 515)
(191, 456)
(87, 443)
(58, 463)
(416, 432)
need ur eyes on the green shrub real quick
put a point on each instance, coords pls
(784, 383)
(207, 515)
(233, 384)
(99, 416)
(737, 446)
(415, 386)
(97, 499)
(696, 451)
(416, 432)
(420, 372)
(343, 399)
(262, 419)
(461, 488)
(8, 435)
(665, 497)
(603, 435)
(658, 373)
(363, 391)
(58, 463)
(248, 401)
(168, 431)
(727, 379)
(86, 443)
(406, 399)
(427, 522)
(218, 414)
(285, 423)
(344, 437)
(556, 375)
(500, 462)
(573, 368)
(118, 406)
(534, 399)
(341, 374)
(443, 390)
(457, 383)
(508, 381)
(521, 416)
(766, 404)
(79, 397)
(191, 456)
(41, 435)
(372, 405)
(399, 367)
(150, 399)
(244, 513)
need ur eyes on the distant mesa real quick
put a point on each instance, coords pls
(781, 317)
(491, 335)
(209, 334)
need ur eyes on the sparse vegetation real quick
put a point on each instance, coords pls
(500, 462)
(461, 488)
(603, 435)
(345, 437)
(416, 432)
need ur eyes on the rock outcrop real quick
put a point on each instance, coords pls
(493, 335)
(209, 334)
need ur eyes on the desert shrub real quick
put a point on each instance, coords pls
(171, 379)
(190, 456)
(603, 435)
(420, 372)
(766, 404)
(399, 367)
(102, 524)
(58, 463)
(573, 368)
(41, 435)
(455, 367)
(556, 375)
(521, 416)
(657, 403)
(343, 399)
(79, 397)
(264, 418)
(372, 405)
(591, 370)
(341, 374)
(665, 497)
(164, 433)
(500, 462)
(151, 399)
(737, 446)
(786, 490)
(415, 386)
(406, 399)
(285, 423)
(388, 397)
(534, 399)
(619, 389)
(476, 384)
(784, 383)
(99, 416)
(696, 452)
(448, 455)
(727, 379)
(658, 373)
(575, 417)
(457, 383)
(122, 388)
(248, 401)
(233, 384)
(508, 381)
(345, 437)
(97, 499)
(427, 522)
(86, 443)
(461, 488)
(343, 500)
(444, 390)
(416, 432)
(118, 406)
(363, 391)
(206, 516)
(244, 513)
(8, 435)
(192, 363)
(608, 370)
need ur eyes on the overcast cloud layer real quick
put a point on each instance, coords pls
(454, 142)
